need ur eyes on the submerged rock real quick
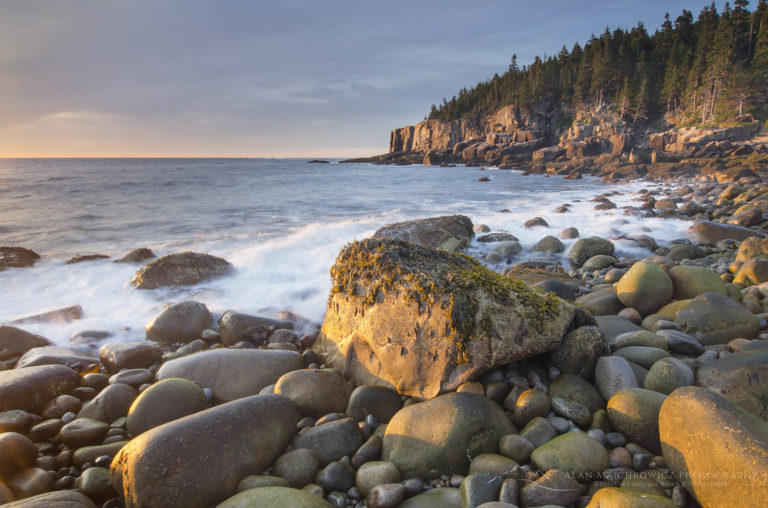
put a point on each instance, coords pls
(17, 257)
(137, 256)
(450, 232)
(181, 269)
(585, 248)
(425, 321)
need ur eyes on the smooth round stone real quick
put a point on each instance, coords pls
(434, 498)
(553, 488)
(370, 450)
(163, 402)
(109, 405)
(538, 431)
(530, 404)
(133, 377)
(479, 488)
(635, 413)
(472, 387)
(613, 373)
(60, 405)
(116, 356)
(315, 392)
(255, 481)
(182, 322)
(668, 374)
(620, 457)
(641, 355)
(30, 482)
(44, 431)
(275, 497)
(585, 248)
(577, 390)
(599, 262)
(298, 467)
(598, 435)
(560, 424)
(496, 464)
(571, 410)
(579, 350)
(388, 495)
(331, 441)
(615, 439)
(572, 452)
(15, 420)
(16, 453)
(375, 473)
(94, 483)
(614, 496)
(83, 432)
(692, 281)
(95, 380)
(336, 476)
(713, 318)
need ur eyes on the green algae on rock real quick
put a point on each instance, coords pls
(424, 321)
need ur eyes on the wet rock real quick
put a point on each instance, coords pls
(667, 375)
(577, 390)
(336, 477)
(181, 322)
(564, 290)
(137, 256)
(62, 315)
(615, 496)
(645, 287)
(17, 452)
(315, 392)
(232, 373)
(573, 452)
(635, 413)
(84, 258)
(53, 355)
(548, 244)
(603, 302)
(599, 262)
(116, 356)
(14, 342)
(374, 400)
(30, 482)
(378, 331)
(331, 441)
(713, 318)
(553, 488)
(585, 248)
(31, 388)
(15, 420)
(497, 237)
(94, 483)
(446, 233)
(441, 435)
(713, 232)
(692, 281)
(741, 378)
(569, 233)
(298, 466)
(89, 454)
(235, 326)
(163, 402)
(110, 404)
(181, 269)
(153, 469)
(83, 432)
(275, 497)
(613, 373)
(691, 420)
(375, 473)
(17, 257)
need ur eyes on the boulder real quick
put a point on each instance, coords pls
(198, 460)
(180, 322)
(635, 413)
(275, 497)
(180, 269)
(613, 326)
(715, 448)
(110, 404)
(58, 498)
(450, 232)
(752, 247)
(751, 217)
(235, 326)
(163, 402)
(53, 355)
(667, 375)
(17, 257)
(137, 256)
(692, 281)
(579, 352)
(645, 287)
(548, 244)
(381, 402)
(330, 441)
(585, 248)
(577, 390)
(713, 232)
(713, 318)
(232, 373)
(14, 342)
(425, 321)
(31, 388)
(603, 302)
(615, 497)
(612, 374)
(742, 378)
(574, 453)
(315, 392)
(441, 435)
(754, 271)
(116, 356)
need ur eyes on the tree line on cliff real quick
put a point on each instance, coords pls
(700, 71)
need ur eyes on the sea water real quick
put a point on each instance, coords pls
(280, 222)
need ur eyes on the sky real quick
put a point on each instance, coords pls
(259, 78)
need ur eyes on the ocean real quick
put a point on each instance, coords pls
(281, 222)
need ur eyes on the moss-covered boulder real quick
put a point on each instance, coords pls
(713, 318)
(442, 435)
(645, 287)
(585, 248)
(180, 269)
(692, 281)
(715, 448)
(741, 378)
(425, 321)
(751, 248)
(450, 232)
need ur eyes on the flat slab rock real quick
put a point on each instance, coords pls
(424, 321)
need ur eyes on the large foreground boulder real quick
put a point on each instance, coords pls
(442, 435)
(425, 321)
(180, 269)
(716, 449)
(198, 460)
(31, 388)
(232, 373)
(450, 232)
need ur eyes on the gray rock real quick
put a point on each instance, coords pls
(116, 356)
(479, 488)
(641, 355)
(235, 326)
(712, 232)
(375, 473)
(315, 392)
(181, 322)
(446, 233)
(603, 302)
(275, 497)
(31, 388)
(434, 498)
(548, 244)
(331, 441)
(153, 469)
(163, 402)
(89, 454)
(137, 256)
(298, 466)
(538, 431)
(577, 390)
(516, 447)
(83, 432)
(579, 351)
(613, 373)
(635, 413)
(94, 483)
(613, 326)
(713, 318)
(667, 375)
(585, 248)
(387, 495)
(53, 355)
(379, 401)
(553, 488)
(336, 477)
(59, 499)
(682, 343)
(232, 373)
(573, 411)
(256, 481)
(496, 464)
(441, 435)
(573, 452)
(14, 342)
(742, 378)
(181, 269)
(110, 404)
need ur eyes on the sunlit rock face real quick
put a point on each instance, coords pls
(424, 321)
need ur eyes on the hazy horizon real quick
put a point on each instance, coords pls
(192, 78)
